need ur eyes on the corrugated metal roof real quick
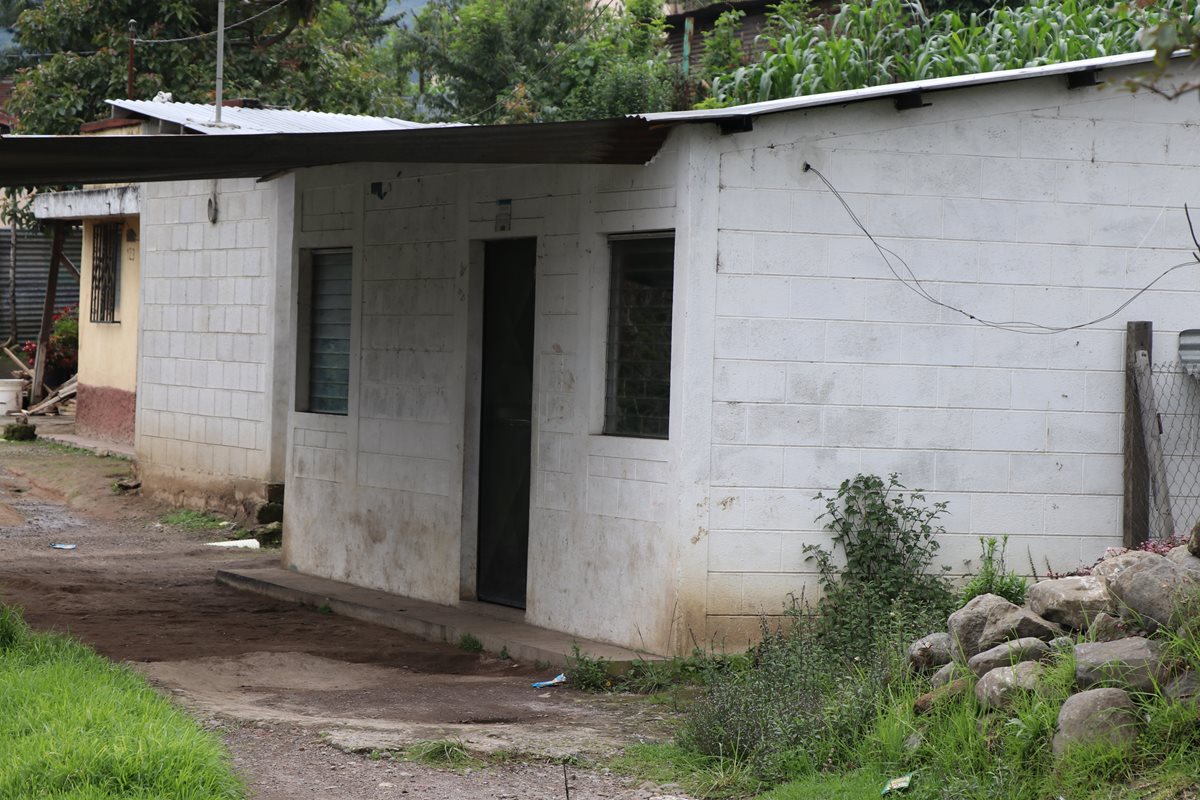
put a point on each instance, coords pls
(33, 268)
(894, 89)
(198, 117)
(31, 160)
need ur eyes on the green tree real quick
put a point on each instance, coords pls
(491, 61)
(302, 53)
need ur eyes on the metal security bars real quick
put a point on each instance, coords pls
(329, 320)
(638, 380)
(106, 271)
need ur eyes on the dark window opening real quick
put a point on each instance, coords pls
(638, 382)
(106, 271)
(324, 370)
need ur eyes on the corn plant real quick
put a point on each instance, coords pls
(876, 42)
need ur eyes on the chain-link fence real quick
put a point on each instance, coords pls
(1162, 450)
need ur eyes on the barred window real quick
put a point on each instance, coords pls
(638, 382)
(106, 271)
(323, 371)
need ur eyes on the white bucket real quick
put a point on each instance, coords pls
(10, 395)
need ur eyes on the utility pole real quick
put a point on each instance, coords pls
(220, 60)
(129, 66)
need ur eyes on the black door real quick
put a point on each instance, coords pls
(505, 421)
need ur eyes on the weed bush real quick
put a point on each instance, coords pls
(817, 684)
(470, 642)
(993, 576)
(886, 536)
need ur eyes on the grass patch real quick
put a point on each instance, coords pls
(194, 520)
(470, 642)
(448, 753)
(854, 785)
(699, 775)
(74, 725)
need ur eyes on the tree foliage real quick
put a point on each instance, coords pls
(302, 54)
(874, 42)
(538, 60)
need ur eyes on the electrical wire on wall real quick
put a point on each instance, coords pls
(914, 284)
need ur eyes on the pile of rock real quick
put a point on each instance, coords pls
(1106, 618)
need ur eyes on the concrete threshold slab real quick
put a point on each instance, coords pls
(496, 627)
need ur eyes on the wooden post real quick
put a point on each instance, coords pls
(1135, 523)
(43, 343)
(1164, 524)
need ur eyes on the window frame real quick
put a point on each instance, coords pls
(304, 330)
(620, 247)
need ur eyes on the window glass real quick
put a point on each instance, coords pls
(329, 320)
(638, 382)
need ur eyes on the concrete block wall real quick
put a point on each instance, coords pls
(1023, 201)
(207, 378)
(386, 496)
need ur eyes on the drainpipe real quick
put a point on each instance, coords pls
(220, 60)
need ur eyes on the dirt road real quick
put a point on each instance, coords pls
(301, 697)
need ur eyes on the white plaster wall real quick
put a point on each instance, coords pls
(386, 496)
(210, 313)
(1022, 201)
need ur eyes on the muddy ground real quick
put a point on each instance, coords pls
(302, 698)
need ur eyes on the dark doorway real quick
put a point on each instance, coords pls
(505, 426)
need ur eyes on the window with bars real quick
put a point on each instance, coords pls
(106, 271)
(323, 371)
(638, 379)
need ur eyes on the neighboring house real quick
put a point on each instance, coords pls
(110, 279)
(186, 347)
(608, 394)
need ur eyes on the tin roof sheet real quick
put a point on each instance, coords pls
(198, 117)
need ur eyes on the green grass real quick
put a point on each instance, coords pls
(74, 725)
(448, 753)
(194, 520)
(861, 783)
(699, 775)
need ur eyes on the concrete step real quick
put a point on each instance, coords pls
(495, 627)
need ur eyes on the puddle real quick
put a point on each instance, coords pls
(29, 517)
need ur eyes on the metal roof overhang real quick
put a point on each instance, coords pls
(40, 160)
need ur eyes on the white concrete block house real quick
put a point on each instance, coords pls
(608, 394)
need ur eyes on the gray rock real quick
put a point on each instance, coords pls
(997, 688)
(1135, 663)
(1062, 643)
(1097, 716)
(1113, 566)
(1107, 628)
(1154, 591)
(966, 625)
(929, 652)
(989, 620)
(1183, 557)
(1072, 602)
(1016, 625)
(1008, 654)
(1185, 687)
(947, 673)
